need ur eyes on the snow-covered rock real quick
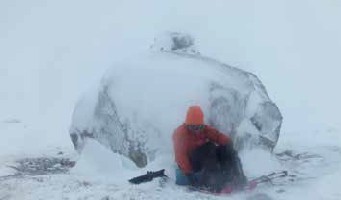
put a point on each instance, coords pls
(174, 41)
(140, 101)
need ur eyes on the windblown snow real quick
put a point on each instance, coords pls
(53, 52)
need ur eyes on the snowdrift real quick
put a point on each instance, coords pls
(141, 100)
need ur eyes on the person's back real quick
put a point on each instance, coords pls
(205, 156)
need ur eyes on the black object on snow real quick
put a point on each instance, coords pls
(148, 177)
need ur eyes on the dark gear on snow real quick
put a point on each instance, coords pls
(219, 166)
(231, 164)
(148, 177)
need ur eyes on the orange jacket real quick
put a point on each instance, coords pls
(185, 142)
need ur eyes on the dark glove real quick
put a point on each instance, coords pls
(193, 180)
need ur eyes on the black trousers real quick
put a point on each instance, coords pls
(219, 166)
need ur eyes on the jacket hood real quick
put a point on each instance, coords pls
(195, 116)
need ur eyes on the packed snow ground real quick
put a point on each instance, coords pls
(51, 52)
(99, 174)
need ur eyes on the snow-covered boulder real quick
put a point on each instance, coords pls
(140, 101)
(174, 41)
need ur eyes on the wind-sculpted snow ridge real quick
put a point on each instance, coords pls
(140, 101)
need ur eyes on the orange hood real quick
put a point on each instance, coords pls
(195, 116)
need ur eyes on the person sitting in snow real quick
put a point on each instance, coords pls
(205, 157)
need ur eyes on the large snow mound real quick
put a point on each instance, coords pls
(98, 160)
(141, 100)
